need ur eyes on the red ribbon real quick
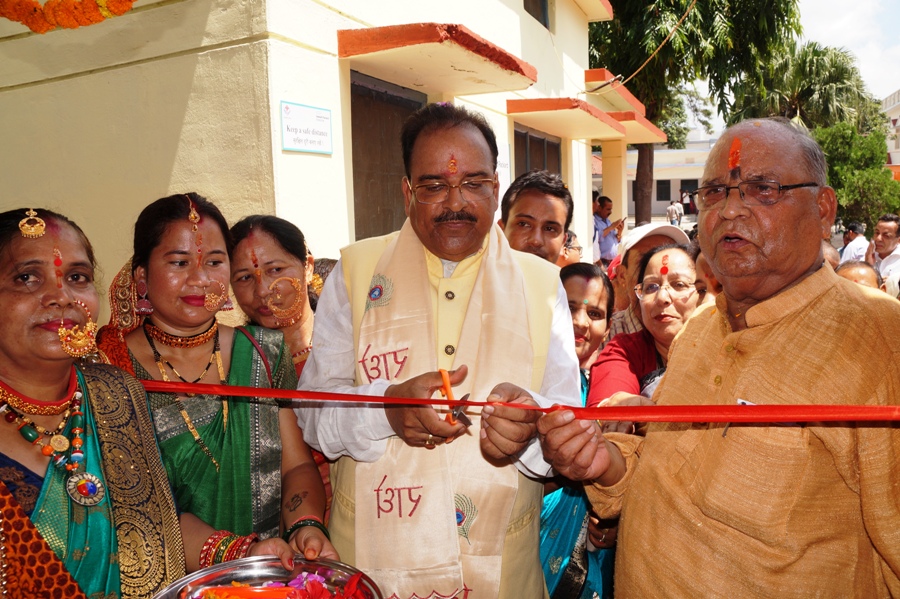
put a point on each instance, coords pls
(692, 413)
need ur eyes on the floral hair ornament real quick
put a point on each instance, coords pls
(213, 301)
(79, 342)
(32, 226)
(289, 316)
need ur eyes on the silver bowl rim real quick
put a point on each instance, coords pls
(257, 560)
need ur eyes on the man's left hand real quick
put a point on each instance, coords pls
(505, 429)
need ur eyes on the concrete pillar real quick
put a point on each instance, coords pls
(615, 177)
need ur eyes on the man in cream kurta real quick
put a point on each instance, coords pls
(430, 508)
(759, 510)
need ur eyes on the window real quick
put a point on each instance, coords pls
(536, 150)
(539, 10)
(663, 190)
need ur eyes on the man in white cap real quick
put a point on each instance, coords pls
(638, 242)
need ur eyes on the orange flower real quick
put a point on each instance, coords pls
(70, 14)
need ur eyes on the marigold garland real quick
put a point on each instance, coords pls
(68, 14)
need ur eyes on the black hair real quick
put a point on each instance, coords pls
(9, 228)
(860, 263)
(543, 181)
(153, 221)
(443, 115)
(589, 271)
(645, 260)
(285, 233)
(855, 227)
(890, 218)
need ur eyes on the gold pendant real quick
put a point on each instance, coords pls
(59, 443)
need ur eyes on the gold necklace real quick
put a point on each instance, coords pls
(215, 357)
(27, 405)
(183, 342)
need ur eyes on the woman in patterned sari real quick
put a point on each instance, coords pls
(85, 507)
(239, 468)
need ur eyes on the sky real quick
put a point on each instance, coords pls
(867, 28)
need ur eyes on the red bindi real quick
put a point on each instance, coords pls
(734, 154)
(665, 265)
(452, 166)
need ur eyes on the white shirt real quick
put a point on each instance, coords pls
(361, 430)
(888, 265)
(856, 249)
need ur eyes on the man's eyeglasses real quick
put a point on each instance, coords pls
(753, 193)
(435, 192)
(577, 248)
(647, 291)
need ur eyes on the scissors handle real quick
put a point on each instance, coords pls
(447, 391)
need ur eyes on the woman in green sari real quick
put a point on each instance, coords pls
(85, 507)
(239, 469)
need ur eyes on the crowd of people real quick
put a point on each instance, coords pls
(110, 491)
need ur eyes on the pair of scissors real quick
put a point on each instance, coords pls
(459, 412)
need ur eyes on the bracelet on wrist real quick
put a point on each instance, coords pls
(305, 521)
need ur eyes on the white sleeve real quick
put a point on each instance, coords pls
(561, 384)
(356, 430)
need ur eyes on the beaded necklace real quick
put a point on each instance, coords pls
(216, 357)
(63, 451)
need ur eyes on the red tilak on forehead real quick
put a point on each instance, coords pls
(665, 265)
(57, 262)
(452, 166)
(734, 154)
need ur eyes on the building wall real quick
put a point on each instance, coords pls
(185, 95)
(891, 107)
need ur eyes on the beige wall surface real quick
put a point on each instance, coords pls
(185, 95)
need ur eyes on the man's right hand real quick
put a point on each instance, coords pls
(575, 448)
(422, 426)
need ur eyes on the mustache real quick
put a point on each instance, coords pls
(450, 216)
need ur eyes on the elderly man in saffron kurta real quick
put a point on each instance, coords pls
(429, 508)
(759, 510)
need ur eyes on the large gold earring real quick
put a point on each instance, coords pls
(212, 301)
(288, 317)
(79, 343)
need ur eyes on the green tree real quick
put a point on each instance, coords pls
(811, 84)
(674, 118)
(719, 40)
(865, 188)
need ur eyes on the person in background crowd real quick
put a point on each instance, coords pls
(571, 252)
(572, 567)
(446, 292)
(606, 232)
(830, 253)
(884, 251)
(85, 506)
(638, 242)
(891, 285)
(535, 213)
(633, 363)
(856, 244)
(272, 274)
(759, 510)
(706, 281)
(240, 470)
(861, 273)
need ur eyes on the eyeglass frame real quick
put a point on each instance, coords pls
(494, 182)
(575, 247)
(702, 205)
(638, 291)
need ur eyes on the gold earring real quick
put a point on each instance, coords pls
(79, 343)
(288, 317)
